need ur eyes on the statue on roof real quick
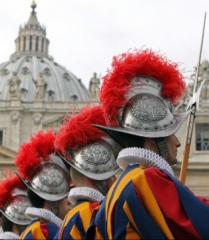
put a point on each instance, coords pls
(94, 86)
(40, 87)
(14, 83)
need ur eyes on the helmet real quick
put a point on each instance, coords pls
(139, 94)
(41, 169)
(14, 201)
(85, 148)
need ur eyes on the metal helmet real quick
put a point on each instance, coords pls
(95, 160)
(139, 94)
(14, 201)
(51, 181)
(87, 149)
(48, 178)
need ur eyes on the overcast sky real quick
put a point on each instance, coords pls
(85, 34)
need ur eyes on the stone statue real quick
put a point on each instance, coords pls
(14, 83)
(203, 71)
(40, 87)
(94, 86)
(203, 75)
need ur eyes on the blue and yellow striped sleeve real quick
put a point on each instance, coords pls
(39, 230)
(78, 221)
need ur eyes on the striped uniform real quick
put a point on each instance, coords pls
(78, 220)
(151, 204)
(39, 231)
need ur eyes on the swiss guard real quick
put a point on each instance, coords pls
(13, 203)
(45, 175)
(138, 97)
(91, 156)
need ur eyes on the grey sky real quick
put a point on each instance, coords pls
(85, 34)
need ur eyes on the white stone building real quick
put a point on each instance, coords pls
(36, 92)
(198, 170)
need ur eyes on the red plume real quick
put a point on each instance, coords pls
(43, 142)
(78, 131)
(125, 67)
(34, 152)
(7, 186)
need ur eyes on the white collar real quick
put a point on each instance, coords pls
(45, 214)
(145, 157)
(8, 235)
(84, 193)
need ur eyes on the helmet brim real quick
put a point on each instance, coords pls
(94, 176)
(114, 132)
(45, 196)
(15, 221)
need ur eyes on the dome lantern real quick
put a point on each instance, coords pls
(32, 37)
(40, 78)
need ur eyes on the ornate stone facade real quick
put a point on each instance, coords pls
(35, 91)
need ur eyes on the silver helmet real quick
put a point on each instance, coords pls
(41, 169)
(51, 181)
(138, 96)
(96, 160)
(146, 113)
(15, 210)
(85, 148)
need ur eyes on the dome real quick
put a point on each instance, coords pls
(32, 75)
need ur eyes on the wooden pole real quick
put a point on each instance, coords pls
(184, 165)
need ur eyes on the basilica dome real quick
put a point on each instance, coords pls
(31, 74)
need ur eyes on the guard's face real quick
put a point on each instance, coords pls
(172, 143)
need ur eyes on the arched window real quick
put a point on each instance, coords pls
(74, 97)
(202, 137)
(30, 46)
(42, 45)
(24, 43)
(37, 38)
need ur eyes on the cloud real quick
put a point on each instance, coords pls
(84, 35)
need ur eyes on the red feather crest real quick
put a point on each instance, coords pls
(33, 153)
(78, 131)
(7, 186)
(139, 63)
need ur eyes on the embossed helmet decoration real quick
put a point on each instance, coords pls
(41, 169)
(139, 94)
(14, 200)
(86, 148)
